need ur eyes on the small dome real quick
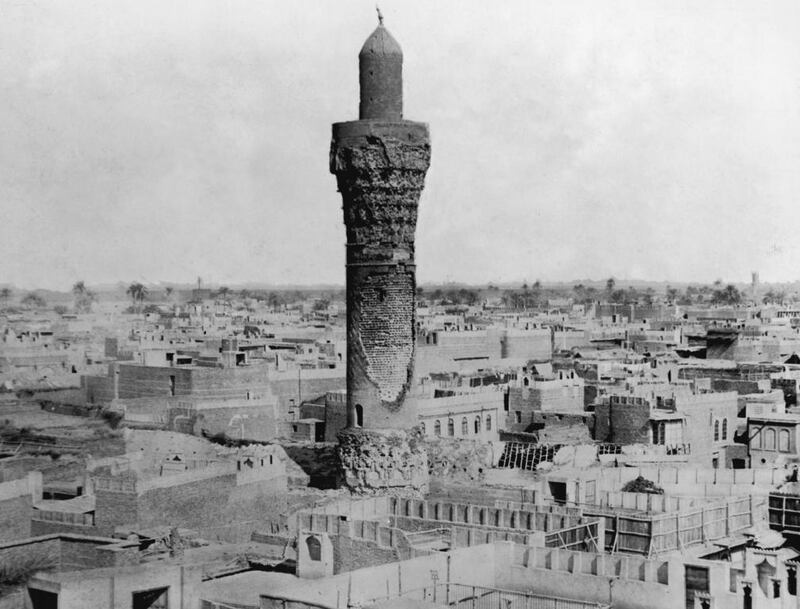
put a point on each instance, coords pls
(381, 42)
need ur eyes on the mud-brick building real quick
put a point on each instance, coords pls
(539, 390)
(249, 402)
(443, 351)
(773, 439)
(473, 416)
(222, 498)
(131, 381)
(685, 420)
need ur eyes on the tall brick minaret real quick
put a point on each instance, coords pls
(380, 163)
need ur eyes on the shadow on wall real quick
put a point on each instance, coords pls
(319, 461)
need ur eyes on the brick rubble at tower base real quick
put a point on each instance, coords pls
(375, 461)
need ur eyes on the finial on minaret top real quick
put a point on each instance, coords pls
(380, 14)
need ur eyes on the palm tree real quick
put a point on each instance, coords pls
(137, 292)
(672, 294)
(32, 299)
(83, 297)
(275, 301)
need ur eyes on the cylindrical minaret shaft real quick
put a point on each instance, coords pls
(380, 163)
(380, 77)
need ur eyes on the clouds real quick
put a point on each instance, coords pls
(162, 141)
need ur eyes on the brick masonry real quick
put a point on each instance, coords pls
(380, 169)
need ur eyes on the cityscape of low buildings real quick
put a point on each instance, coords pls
(391, 445)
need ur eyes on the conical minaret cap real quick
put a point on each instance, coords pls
(381, 42)
(380, 67)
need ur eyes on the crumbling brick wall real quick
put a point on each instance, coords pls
(458, 460)
(372, 461)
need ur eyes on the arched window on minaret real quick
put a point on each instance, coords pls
(359, 415)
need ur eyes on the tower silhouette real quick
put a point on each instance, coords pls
(380, 163)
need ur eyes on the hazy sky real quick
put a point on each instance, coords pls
(157, 141)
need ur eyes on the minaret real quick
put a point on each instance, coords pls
(380, 163)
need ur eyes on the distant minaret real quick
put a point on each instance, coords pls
(380, 162)
(754, 284)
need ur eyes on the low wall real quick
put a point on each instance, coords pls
(368, 530)
(649, 534)
(612, 478)
(645, 502)
(367, 508)
(473, 566)
(624, 582)
(497, 517)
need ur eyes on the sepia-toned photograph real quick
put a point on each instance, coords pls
(426, 304)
